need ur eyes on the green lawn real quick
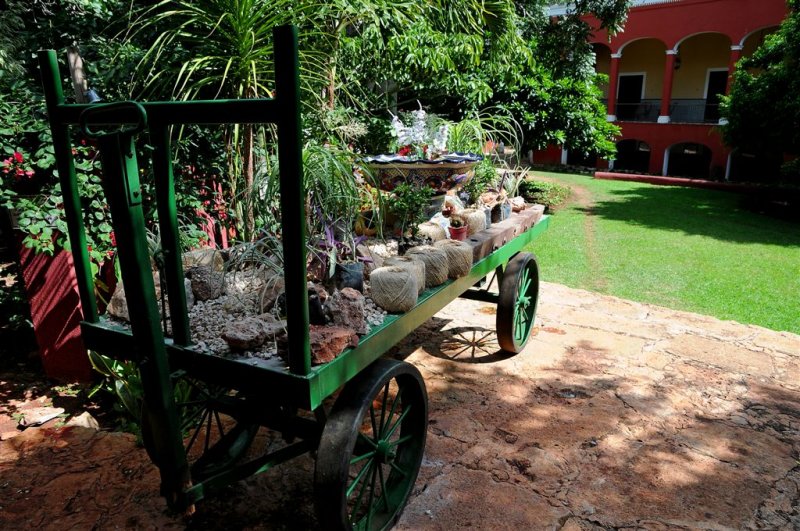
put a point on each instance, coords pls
(683, 248)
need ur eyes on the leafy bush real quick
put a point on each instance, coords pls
(408, 202)
(550, 195)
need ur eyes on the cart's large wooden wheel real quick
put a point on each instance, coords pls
(371, 448)
(516, 309)
(212, 439)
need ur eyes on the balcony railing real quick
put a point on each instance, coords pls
(692, 111)
(643, 111)
(697, 111)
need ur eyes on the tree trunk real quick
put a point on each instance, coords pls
(249, 180)
(332, 84)
(77, 73)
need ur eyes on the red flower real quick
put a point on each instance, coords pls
(18, 157)
(403, 151)
(113, 238)
(89, 248)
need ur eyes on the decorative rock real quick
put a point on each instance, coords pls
(36, 416)
(245, 334)
(269, 293)
(118, 304)
(436, 267)
(346, 308)
(272, 327)
(203, 258)
(316, 315)
(84, 420)
(518, 204)
(459, 257)
(327, 342)
(207, 284)
(322, 293)
(187, 287)
(413, 264)
(394, 288)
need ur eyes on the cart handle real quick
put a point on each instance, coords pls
(138, 111)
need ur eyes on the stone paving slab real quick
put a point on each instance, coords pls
(617, 415)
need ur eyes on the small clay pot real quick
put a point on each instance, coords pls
(458, 233)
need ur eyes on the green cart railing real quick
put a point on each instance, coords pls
(201, 412)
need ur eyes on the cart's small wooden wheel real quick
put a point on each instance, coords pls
(213, 441)
(516, 309)
(371, 448)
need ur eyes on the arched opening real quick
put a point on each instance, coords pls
(575, 158)
(754, 39)
(602, 63)
(632, 155)
(640, 80)
(701, 75)
(689, 159)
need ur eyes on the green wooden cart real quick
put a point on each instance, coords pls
(369, 444)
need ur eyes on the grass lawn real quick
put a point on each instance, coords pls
(683, 248)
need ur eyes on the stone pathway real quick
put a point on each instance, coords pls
(617, 415)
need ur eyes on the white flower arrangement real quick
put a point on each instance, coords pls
(426, 138)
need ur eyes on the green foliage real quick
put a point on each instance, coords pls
(408, 203)
(492, 125)
(545, 193)
(122, 381)
(485, 177)
(562, 111)
(764, 100)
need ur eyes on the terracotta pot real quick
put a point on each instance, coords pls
(458, 233)
(365, 224)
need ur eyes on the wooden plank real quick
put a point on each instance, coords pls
(489, 240)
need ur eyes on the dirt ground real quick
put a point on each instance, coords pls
(616, 416)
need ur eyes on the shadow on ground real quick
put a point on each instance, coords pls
(586, 435)
(708, 213)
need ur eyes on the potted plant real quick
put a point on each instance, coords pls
(368, 222)
(458, 228)
(408, 204)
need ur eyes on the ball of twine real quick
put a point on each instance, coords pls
(393, 288)
(434, 231)
(416, 266)
(436, 267)
(459, 257)
(476, 220)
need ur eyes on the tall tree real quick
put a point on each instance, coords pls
(763, 107)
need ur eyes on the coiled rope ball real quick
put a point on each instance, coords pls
(434, 231)
(415, 265)
(393, 288)
(459, 257)
(436, 267)
(476, 220)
